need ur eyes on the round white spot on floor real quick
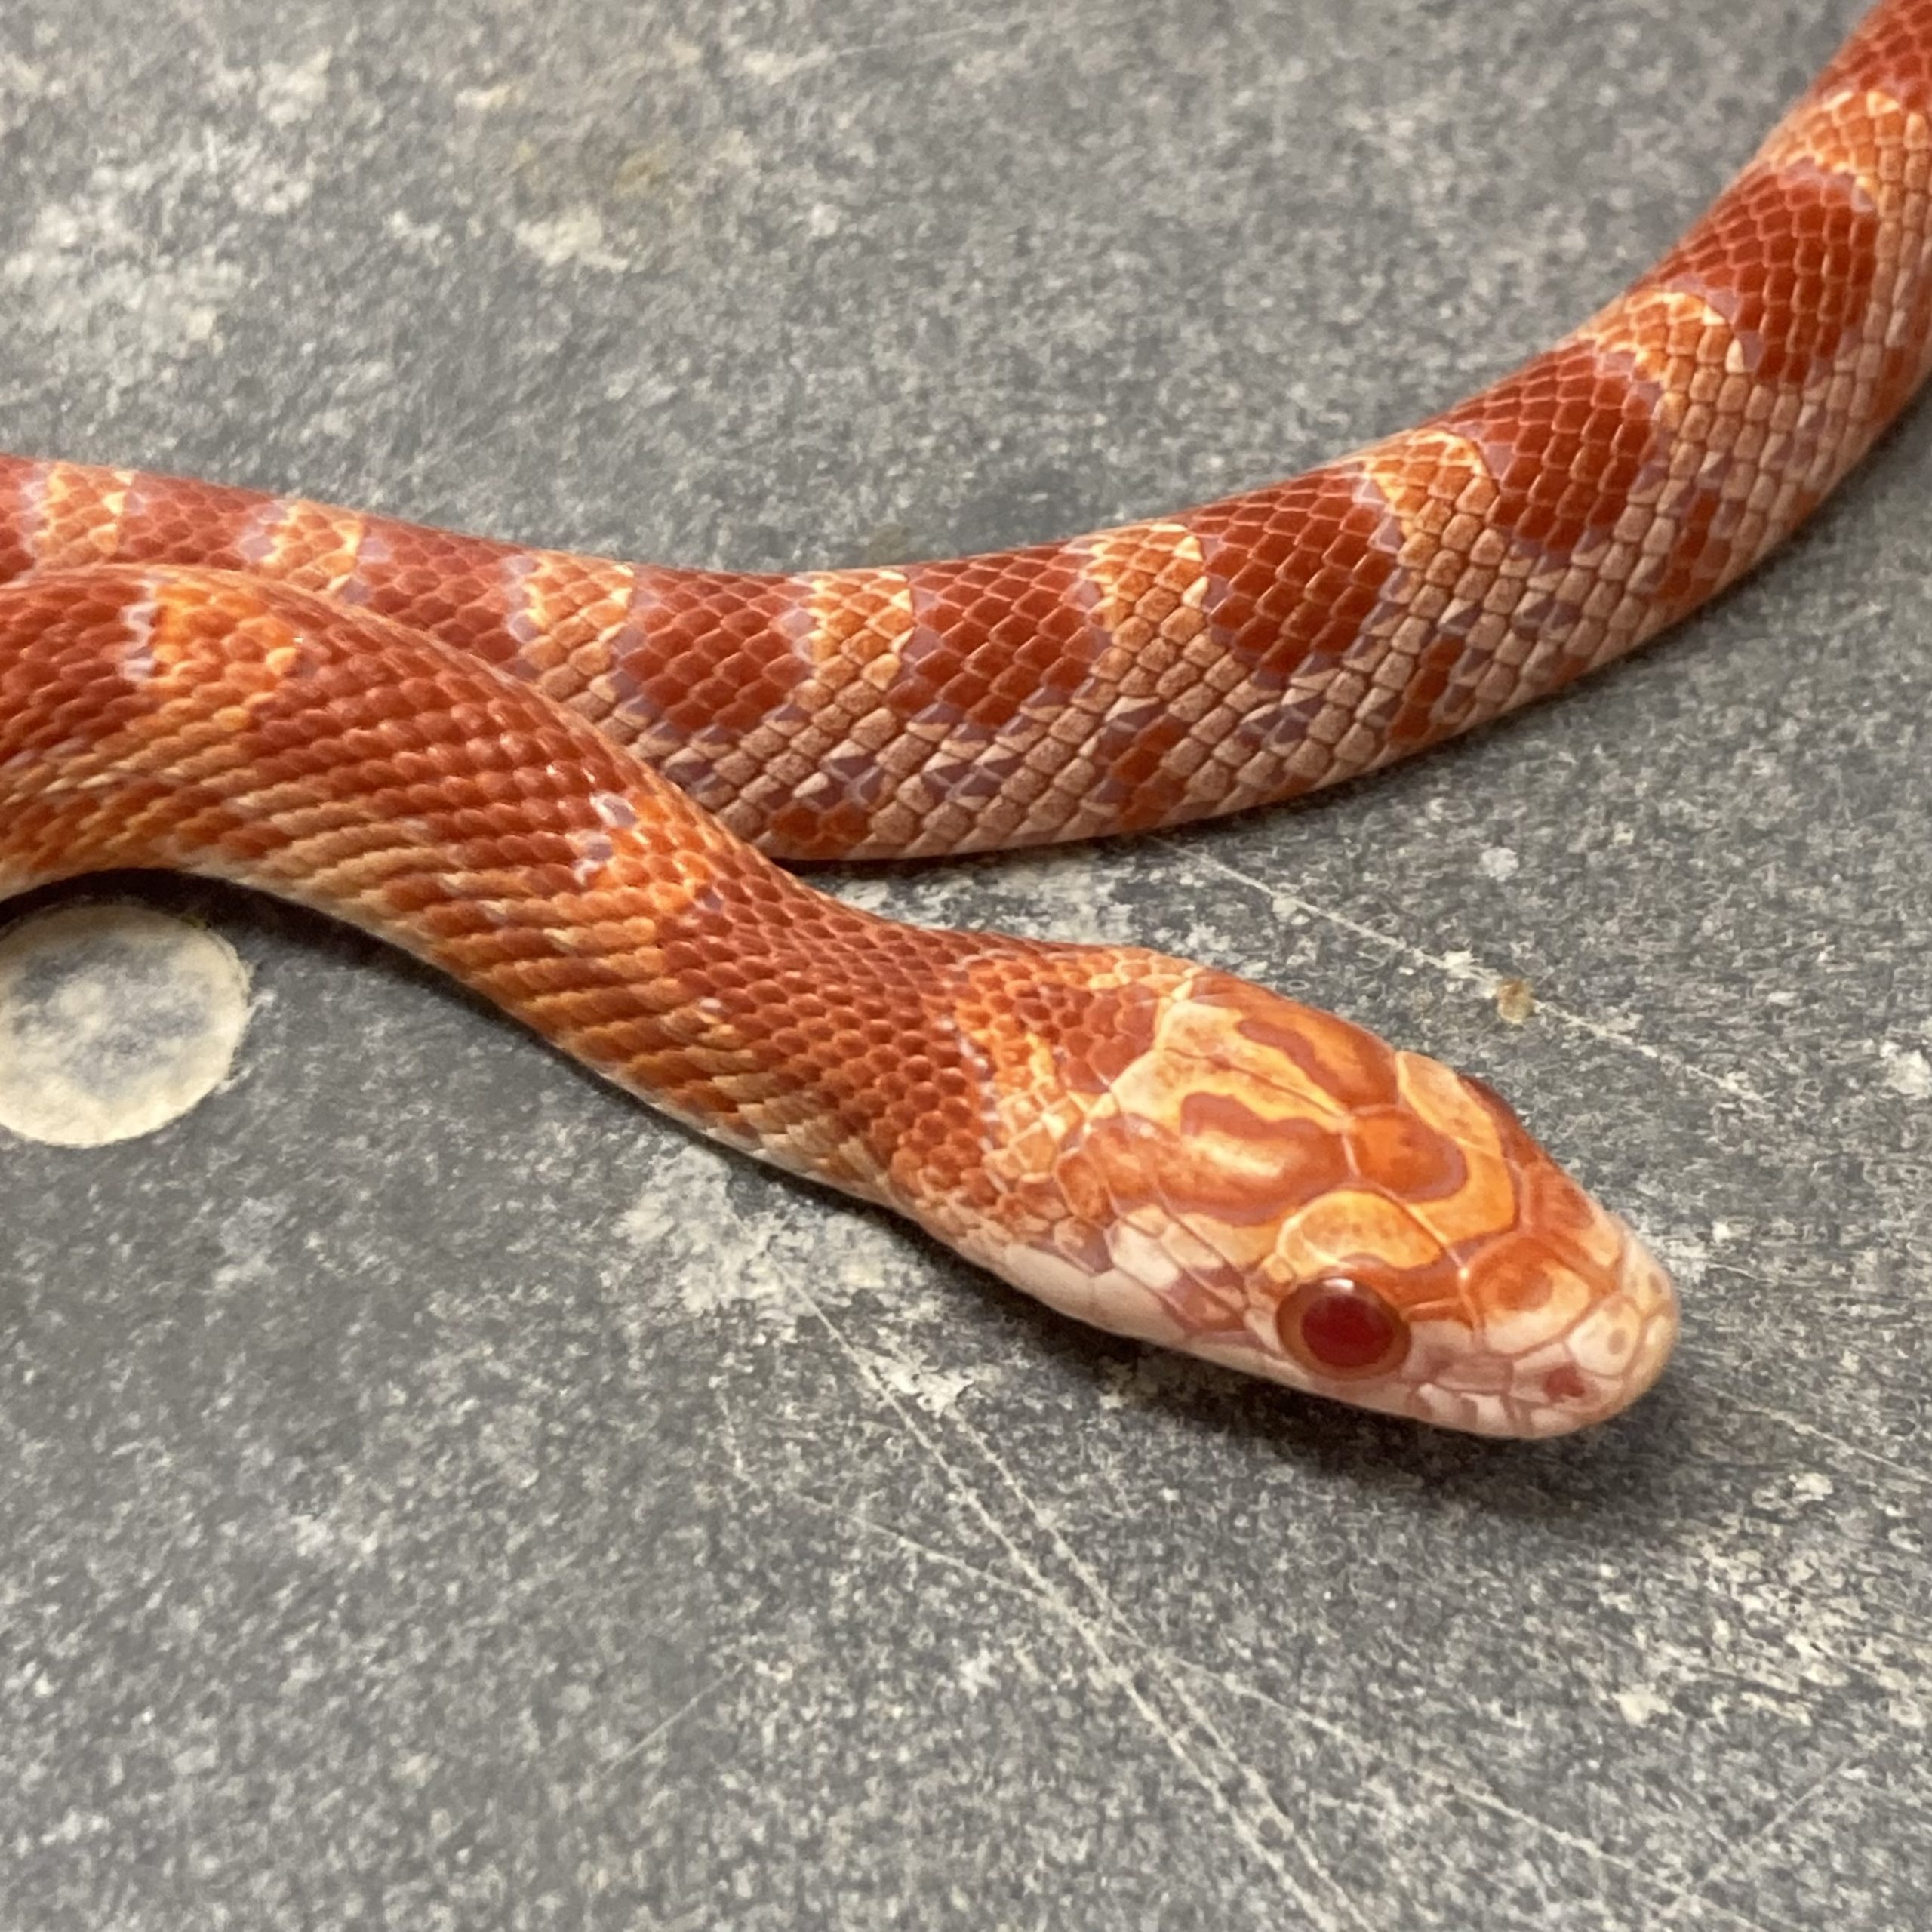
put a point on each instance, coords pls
(114, 1020)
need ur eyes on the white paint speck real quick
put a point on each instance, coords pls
(1498, 862)
(574, 239)
(74, 1825)
(426, 237)
(978, 1673)
(292, 90)
(1907, 1071)
(114, 1020)
(774, 68)
(1639, 1706)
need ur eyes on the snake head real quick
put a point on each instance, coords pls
(1265, 1185)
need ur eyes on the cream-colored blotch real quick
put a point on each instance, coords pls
(114, 1020)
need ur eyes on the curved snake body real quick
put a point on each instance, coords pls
(465, 746)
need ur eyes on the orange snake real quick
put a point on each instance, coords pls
(547, 773)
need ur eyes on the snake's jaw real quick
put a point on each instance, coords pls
(1264, 1185)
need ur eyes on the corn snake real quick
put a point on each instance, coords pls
(441, 738)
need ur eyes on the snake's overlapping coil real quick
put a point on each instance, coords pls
(440, 737)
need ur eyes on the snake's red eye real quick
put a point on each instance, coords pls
(1339, 1327)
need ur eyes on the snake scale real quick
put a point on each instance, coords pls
(567, 781)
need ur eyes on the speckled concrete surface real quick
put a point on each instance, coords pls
(439, 1494)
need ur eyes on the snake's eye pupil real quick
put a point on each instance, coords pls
(1346, 1329)
(1338, 1326)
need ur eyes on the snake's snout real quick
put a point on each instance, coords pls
(1561, 1318)
(1559, 1342)
(1610, 1357)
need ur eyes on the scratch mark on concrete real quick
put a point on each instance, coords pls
(858, 1520)
(659, 1730)
(1919, 1479)
(1450, 1786)
(1733, 1085)
(1453, 1787)
(1328, 1915)
(1734, 1853)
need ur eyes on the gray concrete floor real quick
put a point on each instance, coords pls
(438, 1494)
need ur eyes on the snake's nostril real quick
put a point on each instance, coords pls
(1565, 1382)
